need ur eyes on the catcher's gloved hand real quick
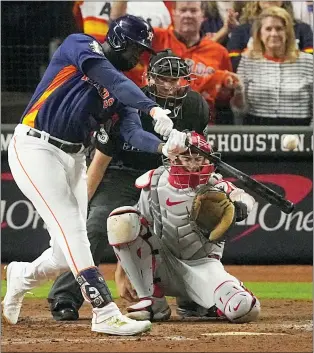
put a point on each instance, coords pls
(212, 213)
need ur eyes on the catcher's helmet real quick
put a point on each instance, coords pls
(130, 28)
(168, 78)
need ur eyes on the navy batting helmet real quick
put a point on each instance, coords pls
(130, 28)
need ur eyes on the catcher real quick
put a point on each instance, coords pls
(172, 242)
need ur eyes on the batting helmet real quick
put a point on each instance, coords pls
(130, 28)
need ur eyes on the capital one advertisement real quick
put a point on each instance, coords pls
(267, 236)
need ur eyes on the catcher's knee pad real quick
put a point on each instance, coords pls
(123, 225)
(237, 303)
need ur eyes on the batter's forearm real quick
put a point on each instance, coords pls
(126, 91)
(143, 140)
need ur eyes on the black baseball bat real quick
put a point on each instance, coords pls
(260, 189)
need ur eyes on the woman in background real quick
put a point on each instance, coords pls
(277, 76)
(240, 36)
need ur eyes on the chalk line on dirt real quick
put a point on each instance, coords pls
(135, 338)
(244, 334)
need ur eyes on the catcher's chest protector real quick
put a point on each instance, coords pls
(170, 208)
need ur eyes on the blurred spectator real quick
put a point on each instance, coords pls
(95, 16)
(220, 18)
(209, 61)
(240, 36)
(278, 77)
(303, 11)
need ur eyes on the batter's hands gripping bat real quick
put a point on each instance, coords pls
(260, 189)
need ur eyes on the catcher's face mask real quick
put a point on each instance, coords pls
(169, 87)
(189, 170)
(192, 163)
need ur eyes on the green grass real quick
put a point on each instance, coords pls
(42, 291)
(263, 290)
(282, 290)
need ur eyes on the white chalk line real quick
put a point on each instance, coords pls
(244, 334)
(17, 341)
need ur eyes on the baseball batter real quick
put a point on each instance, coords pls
(48, 164)
(163, 255)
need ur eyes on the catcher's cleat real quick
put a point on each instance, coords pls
(110, 321)
(190, 309)
(64, 311)
(12, 302)
(153, 309)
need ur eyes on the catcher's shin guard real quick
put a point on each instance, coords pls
(127, 234)
(236, 302)
(94, 287)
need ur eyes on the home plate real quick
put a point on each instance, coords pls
(243, 334)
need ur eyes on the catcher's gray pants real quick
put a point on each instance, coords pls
(193, 279)
(116, 189)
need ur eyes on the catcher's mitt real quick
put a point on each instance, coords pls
(212, 213)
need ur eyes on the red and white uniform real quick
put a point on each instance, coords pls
(166, 248)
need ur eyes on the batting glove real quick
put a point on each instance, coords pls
(163, 124)
(175, 144)
(243, 202)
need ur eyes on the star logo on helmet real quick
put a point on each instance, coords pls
(150, 36)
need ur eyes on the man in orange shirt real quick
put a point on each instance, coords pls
(209, 61)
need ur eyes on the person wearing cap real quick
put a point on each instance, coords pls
(115, 165)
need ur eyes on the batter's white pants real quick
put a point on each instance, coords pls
(56, 183)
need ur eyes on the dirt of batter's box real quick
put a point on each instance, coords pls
(284, 325)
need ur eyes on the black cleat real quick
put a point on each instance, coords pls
(64, 312)
(189, 309)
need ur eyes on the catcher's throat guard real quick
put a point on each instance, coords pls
(212, 213)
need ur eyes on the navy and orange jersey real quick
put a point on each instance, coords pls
(241, 35)
(67, 103)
